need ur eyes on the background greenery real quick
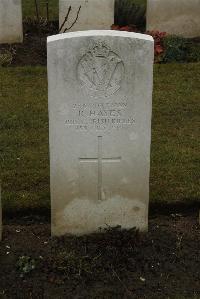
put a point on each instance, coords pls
(127, 11)
(179, 49)
(30, 12)
(131, 12)
(24, 147)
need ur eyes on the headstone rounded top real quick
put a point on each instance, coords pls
(89, 33)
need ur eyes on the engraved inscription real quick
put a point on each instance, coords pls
(100, 71)
(100, 116)
(100, 160)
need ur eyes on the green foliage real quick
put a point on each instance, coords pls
(179, 49)
(130, 12)
(6, 57)
(175, 49)
(193, 52)
(25, 265)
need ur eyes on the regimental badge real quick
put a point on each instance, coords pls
(100, 70)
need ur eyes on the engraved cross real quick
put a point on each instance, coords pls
(100, 160)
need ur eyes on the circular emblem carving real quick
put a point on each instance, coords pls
(101, 70)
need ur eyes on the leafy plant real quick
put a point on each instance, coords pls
(130, 28)
(6, 57)
(157, 36)
(172, 48)
(158, 44)
(25, 265)
(193, 52)
(175, 49)
(130, 12)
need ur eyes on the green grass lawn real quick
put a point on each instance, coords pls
(24, 157)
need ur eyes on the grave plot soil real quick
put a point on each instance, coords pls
(33, 49)
(165, 263)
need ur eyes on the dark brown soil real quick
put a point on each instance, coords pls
(33, 49)
(165, 263)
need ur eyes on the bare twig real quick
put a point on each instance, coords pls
(74, 21)
(38, 19)
(37, 10)
(66, 18)
(47, 9)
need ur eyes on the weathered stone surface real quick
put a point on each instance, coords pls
(11, 21)
(180, 17)
(94, 14)
(100, 100)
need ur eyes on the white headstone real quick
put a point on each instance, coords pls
(11, 21)
(179, 17)
(90, 14)
(100, 102)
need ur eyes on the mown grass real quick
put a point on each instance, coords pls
(24, 137)
(24, 158)
(175, 133)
